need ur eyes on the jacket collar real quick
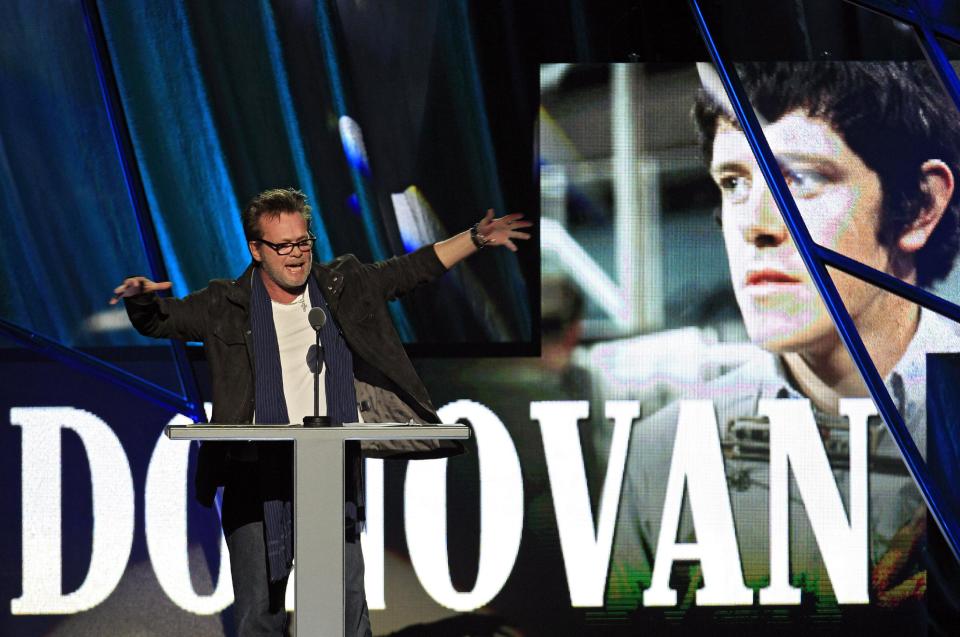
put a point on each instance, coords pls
(238, 291)
(331, 283)
(330, 280)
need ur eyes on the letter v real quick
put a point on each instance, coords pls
(586, 549)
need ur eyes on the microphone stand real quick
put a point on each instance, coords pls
(316, 420)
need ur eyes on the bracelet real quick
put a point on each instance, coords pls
(478, 239)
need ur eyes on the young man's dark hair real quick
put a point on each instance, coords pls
(270, 203)
(893, 115)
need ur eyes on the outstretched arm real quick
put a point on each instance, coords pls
(398, 275)
(135, 285)
(162, 317)
(489, 232)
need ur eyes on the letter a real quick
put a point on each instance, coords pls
(698, 463)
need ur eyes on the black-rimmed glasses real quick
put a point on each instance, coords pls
(283, 249)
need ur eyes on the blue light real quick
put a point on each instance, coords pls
(353, 203)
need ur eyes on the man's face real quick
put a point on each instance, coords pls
(290, 271)
(839, 198)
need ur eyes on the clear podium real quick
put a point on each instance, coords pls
(318, 460)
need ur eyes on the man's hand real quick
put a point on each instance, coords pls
(502, 231)
(137, 285)
(489, 232)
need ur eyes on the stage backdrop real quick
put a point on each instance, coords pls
(654, 470)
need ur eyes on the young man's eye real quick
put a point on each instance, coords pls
(804, 183)
(735, 188)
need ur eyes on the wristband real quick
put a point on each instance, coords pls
(478, 239)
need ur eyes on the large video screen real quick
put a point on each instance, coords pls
(758, 488)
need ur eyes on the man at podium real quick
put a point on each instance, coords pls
(262, 356)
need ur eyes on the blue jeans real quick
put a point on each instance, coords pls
(259, 608)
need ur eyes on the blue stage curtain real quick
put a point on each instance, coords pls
(67, 230)
(222, 100)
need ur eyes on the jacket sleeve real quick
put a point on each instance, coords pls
(396, 276)
(164, 317)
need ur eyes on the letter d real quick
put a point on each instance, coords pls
(112, 490)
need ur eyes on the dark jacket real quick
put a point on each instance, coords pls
(388, 388)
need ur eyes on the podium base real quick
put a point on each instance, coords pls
(316, 421)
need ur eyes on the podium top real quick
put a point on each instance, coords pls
(349, 431)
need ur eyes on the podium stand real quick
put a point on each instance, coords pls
(318, 460)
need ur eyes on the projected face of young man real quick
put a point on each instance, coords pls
(839, 198)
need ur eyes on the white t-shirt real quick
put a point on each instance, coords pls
(296, 340)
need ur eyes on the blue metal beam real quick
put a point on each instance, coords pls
(135, 190)
(94, 366)
(927, 31)
(887, 282)
(938, 61)
(910, 15)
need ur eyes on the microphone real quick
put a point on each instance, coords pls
(317, 318)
